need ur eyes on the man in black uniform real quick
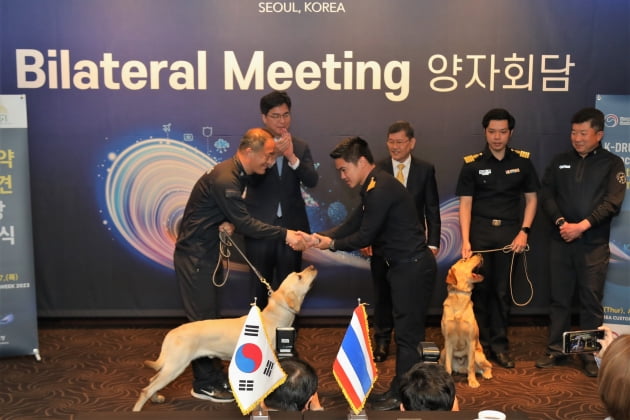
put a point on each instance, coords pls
(582, 190)
(418, 176)
(491, 186)
(276, 197)
(217, 198)
(388, 221)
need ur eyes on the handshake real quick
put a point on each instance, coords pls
(299, 241)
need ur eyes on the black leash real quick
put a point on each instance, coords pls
(225, 242)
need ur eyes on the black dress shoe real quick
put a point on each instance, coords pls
(549, 359)
(504, 360)
(380, 397)
(389, 404)
(590, 368)
(381, 351)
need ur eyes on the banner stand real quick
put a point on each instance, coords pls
(18, 306)
(616, 302)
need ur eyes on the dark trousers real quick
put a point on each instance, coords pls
(491, 297)
(383, 316)
(581, 268)
(201, 301)
(274, 259)
(411, 286)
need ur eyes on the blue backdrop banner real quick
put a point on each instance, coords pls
(130, 102)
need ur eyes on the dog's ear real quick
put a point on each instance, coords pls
(293, 301)
(450, 277)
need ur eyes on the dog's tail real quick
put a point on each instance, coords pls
(153, 364)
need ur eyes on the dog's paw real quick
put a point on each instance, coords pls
(487, 374)
(473, 383)
(158, 399)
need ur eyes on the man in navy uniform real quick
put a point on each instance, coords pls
(386, 220)
(491, 187)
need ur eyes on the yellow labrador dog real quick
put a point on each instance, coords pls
(218, 337)
(462, 351)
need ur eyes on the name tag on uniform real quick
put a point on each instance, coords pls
(485, 172)
(564, 167)
(512, 171)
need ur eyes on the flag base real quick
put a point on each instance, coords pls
(259, 414)
(361, 416)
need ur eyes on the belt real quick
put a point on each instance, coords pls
(498, 222)
(391, 262)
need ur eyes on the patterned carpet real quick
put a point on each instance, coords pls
(97, 367)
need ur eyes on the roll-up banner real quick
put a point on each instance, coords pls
(18, 309)
(616, 109)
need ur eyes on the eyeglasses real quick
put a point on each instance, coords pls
(397, 142)
(285, 116)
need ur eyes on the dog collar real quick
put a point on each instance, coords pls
(460, 292)
(283, 305)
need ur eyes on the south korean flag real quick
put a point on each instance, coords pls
(254, 370)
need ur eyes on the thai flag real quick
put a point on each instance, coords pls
(354, 369)
(254, 371)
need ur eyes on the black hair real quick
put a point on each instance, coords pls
(498, 114)
(274, 99)
(299, 387)
(592, 115)
(401, 126)
(427, 386)
(351, 149)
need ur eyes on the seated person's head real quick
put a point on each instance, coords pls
(614, 378)
(427, 386)
(298, 389)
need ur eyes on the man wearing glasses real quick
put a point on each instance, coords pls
(418, 176)
(276, 198)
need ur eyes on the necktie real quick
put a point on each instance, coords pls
(399, 174)
(279, 165)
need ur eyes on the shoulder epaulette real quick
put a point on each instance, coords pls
(521, 153)
(371, 185)
(472, 158)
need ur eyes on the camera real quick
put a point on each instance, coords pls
(581, 341)
(429, 352)
(285, 341)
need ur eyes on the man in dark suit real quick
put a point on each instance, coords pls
(275, 197)
(418, 177)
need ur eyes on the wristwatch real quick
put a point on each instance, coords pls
(332, 246)
(525, 229)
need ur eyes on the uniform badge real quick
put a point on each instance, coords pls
(485, 172)
(621, 177)
(371, 185)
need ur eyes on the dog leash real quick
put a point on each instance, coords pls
(506, 250)
(225, 242)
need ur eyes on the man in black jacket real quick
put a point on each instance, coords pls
(582, 190)
(216, 198)
(275, 197)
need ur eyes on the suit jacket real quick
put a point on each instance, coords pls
(264, 192)
(422, 185)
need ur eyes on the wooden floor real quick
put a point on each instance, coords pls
(96, 366)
